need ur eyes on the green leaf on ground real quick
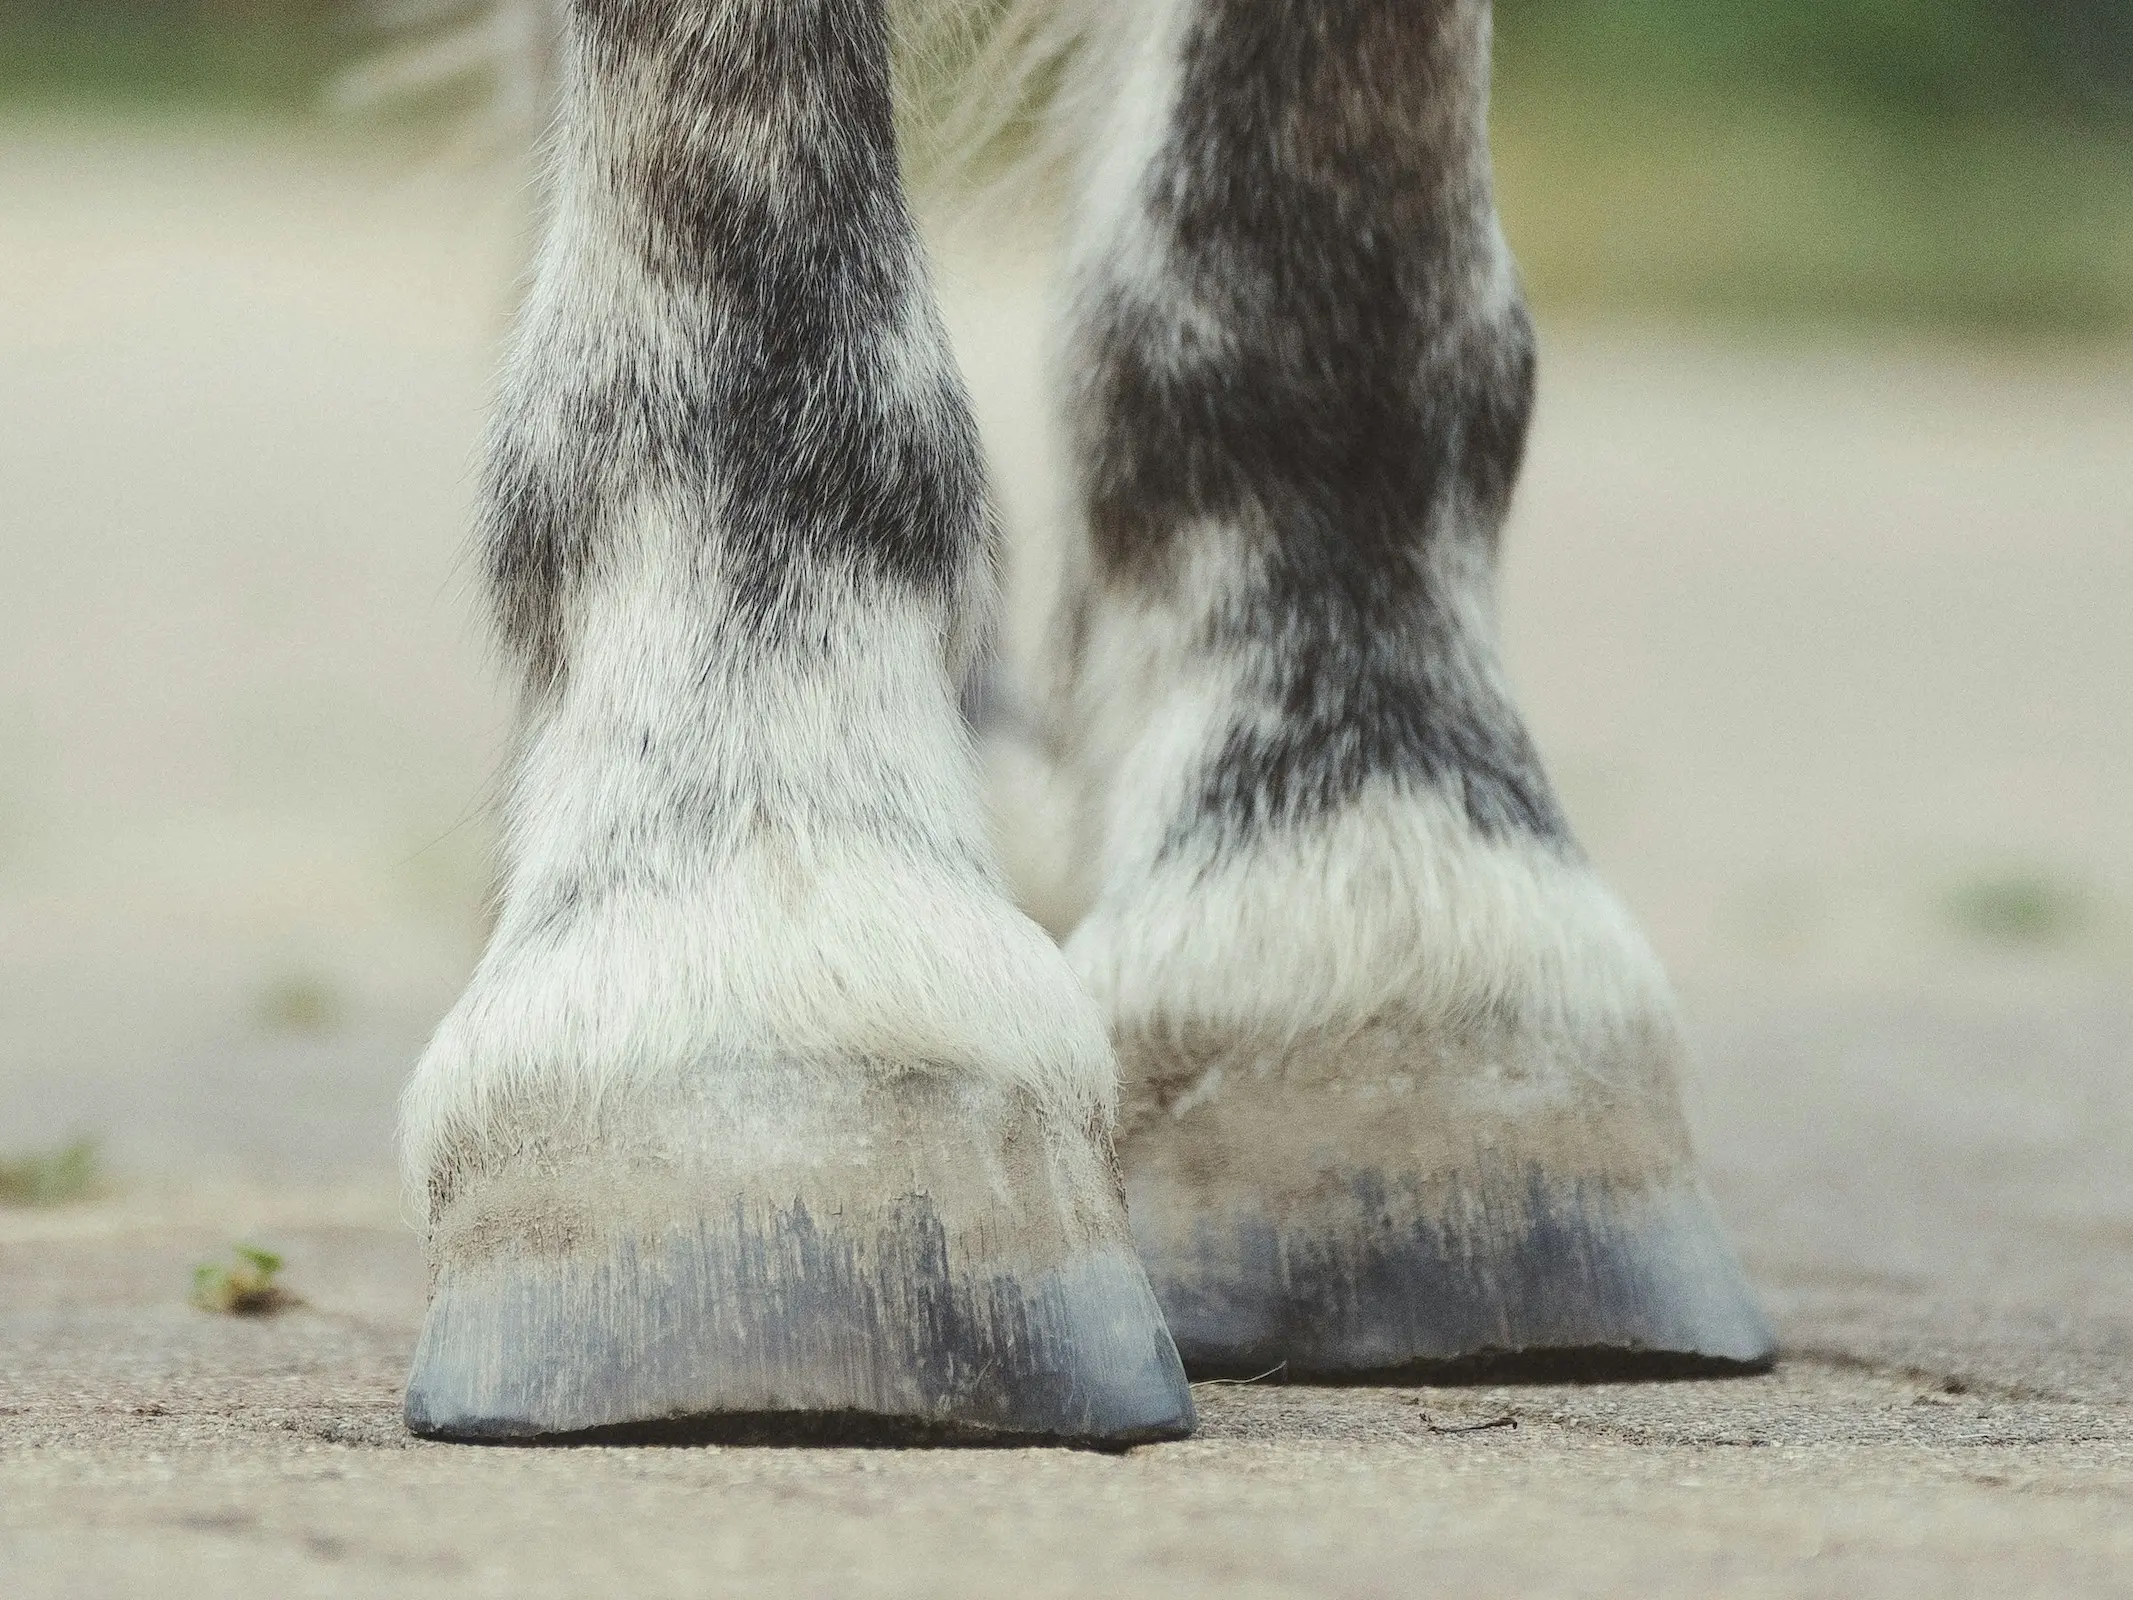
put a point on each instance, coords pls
(244, 1288)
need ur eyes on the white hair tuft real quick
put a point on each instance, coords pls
(984, 87)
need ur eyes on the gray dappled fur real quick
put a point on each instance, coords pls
(739, 542)
(1310, 335)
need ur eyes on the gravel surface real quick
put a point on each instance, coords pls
(147, 1448)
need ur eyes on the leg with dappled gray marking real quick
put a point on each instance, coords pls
(1400, 1074)
(764, 1112)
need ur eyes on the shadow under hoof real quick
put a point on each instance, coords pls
(847, 1430)
(1490, 1368)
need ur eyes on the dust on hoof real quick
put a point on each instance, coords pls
(1486, 1207)
(962, 1275)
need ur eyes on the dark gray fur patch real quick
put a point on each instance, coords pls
(1325, 195)
(762, 401)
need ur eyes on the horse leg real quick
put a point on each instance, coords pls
(1400, 1074)
(764, 1112)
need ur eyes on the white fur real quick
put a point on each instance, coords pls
(1119, 122)
(505, 49)
(1394, 908)
(974, 75)
(727, 857)
(1391, 912)
(1147, 710)
(787, 861)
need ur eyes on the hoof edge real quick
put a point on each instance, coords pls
(774, 1328)
(1420, 1284)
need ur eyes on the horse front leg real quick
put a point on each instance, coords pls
(1400, 1073)
(764, 1112)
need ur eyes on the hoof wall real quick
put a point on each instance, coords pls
(951, 1291)
(1429, 1284)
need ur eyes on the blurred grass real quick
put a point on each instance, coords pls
(1933, 164)
(1912, 61)
(2018, 908)
(1957, 166)
(300, 1002)
(1795, 212)
(57, 1177)
(146, 55)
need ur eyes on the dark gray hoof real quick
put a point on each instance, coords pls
(958, 1274)
(1353, 1223)
(1434, 1284)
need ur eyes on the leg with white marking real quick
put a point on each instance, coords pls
(764, 1112)
(1400, 1073)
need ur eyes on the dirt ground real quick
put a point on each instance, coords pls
(1829, 646)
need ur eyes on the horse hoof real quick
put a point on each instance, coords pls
(926, 1260)
(1365, 1212)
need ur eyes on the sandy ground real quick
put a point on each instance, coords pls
(1829, 647)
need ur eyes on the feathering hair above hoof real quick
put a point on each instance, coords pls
(988, 91)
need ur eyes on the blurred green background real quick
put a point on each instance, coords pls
(263, 55)
(1960, 166)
